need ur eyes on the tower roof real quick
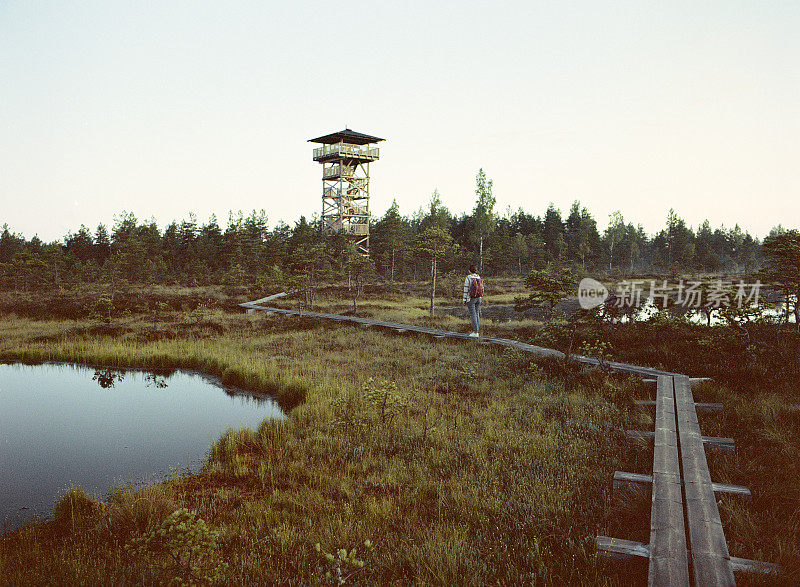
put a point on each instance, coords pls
(347, 136)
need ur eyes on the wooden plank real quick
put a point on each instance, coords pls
(269, 298)
(718, 443)
(709, 442)
(627, 549)
(624, 480)
(727, 489)
(711, 562)
(500, 341)
(751, 566)
(669, 564)
(622, 549)
(692, 380)
(699, 406)
(639, 434)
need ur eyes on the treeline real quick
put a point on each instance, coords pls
(248, 251)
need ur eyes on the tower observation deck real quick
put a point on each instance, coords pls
(345, 157)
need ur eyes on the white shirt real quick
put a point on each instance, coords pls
(467, 284)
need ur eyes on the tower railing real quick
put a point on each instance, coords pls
(346, 149)
(338, 171)
(356, 229)
(351, 209)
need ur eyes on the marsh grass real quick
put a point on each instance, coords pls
(232, 361)
(461, 464)
(74, 510)
(766, 429)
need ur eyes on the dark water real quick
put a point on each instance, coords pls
(63, 425)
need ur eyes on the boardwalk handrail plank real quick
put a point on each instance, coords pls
(669, 564)
(711, 562)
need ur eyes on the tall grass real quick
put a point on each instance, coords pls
(229, 362)
(484, 470)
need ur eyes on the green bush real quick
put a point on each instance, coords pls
(101, 309)
(184, 546)
(342, 565)
(383, 395)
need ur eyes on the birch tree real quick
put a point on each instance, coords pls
(484, 216)
(434, 243)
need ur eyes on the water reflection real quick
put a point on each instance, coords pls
(247, 397)
(153, 380)
(58, 428)
(106, 378)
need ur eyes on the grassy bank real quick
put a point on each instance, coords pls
(439, 462)
(234, 360)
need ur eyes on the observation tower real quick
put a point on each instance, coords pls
(345, 157)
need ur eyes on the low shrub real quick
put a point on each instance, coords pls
(183, 546)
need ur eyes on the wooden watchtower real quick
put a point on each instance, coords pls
(345, 158)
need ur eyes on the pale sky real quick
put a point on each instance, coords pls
(162, 108)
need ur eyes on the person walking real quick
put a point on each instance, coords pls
(473, 293)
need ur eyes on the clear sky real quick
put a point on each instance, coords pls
(162, 108)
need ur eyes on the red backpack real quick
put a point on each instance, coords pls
(476, 288)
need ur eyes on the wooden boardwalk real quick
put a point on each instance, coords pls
(645, 372)
(687, 543)
(711, 563)
(668, 560)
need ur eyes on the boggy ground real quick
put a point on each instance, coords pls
(439, 462)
